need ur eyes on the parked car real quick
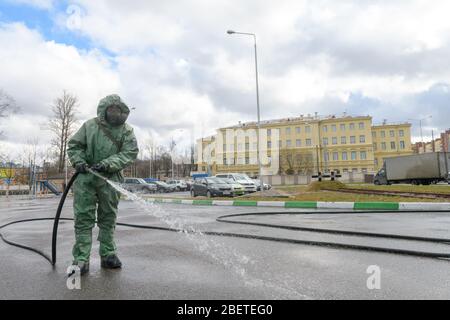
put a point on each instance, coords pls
(211, 187)
(189, 184)
(240, 178)
(258, 185)
(180, 185)
(236, 188)
(138, 185)
(163, 187)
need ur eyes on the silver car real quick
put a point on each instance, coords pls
(138, 185)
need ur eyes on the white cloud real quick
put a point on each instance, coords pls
(175, 63)
(35, 72)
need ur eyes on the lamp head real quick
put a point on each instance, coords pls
(230, 32)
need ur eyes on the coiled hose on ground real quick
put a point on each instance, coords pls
(227, 219)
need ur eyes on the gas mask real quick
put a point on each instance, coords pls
(115, 117)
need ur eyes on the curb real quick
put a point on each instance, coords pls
(400, 206)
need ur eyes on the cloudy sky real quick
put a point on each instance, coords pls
(173, 61)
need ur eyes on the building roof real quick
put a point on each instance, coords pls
(302, 118)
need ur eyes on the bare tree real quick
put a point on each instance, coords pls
(150, 147)
(62, 124)
(7, 106)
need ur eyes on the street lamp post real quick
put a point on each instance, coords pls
(257, 105)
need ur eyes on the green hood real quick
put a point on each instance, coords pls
(108, 101)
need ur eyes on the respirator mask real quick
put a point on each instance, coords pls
(115, 116)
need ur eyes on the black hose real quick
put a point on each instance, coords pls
(58, 215)
(225, 219)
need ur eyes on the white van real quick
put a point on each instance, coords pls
(240, 178)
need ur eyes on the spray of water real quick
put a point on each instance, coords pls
(225, 255)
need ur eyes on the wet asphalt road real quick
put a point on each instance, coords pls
(167, 265)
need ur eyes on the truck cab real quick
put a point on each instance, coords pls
(381, 177)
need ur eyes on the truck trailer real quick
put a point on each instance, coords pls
(425, 168)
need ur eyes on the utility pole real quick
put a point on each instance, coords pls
(433, 142)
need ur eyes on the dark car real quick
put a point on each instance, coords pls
(162, 187)
(211, 187)
(138, 185)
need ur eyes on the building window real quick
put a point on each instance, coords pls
(240, 146)
(225, 161)
(363, 155)
(374, 134)
(255, 145)
(326, 156)
(224, 147)
(231, 147)
(401, 133)
(374, 146)
(362, 139)
(402, 145)
(343, 140)
(297, 129)
(288, 131)
(383, 145)
(325, 141)
(352, 126)
(334, 140)
(325, 128)
(352, 140)
(364, 170)
(308, 129)
(392, 145)
(345, 170)
(269, 132)
(383, 134)
(269, 144)
(280, 144)
(335, 156)
(344, 156)
(343, 127)
(288, 143)
(333, 128)
(353, 155)
(298, 143)
(308, 142)
(298, 158)
(392, 133)
(376, 161)
(247, 160)
(361, 125)
(355, 170)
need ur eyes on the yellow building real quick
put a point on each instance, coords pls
(304, 145)
(391, 140)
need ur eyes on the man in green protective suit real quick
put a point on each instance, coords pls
(107, 145)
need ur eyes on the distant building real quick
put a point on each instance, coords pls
(445, 139)
(440, 144)
(307, 144)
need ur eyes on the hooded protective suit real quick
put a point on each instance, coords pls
(115, 147)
